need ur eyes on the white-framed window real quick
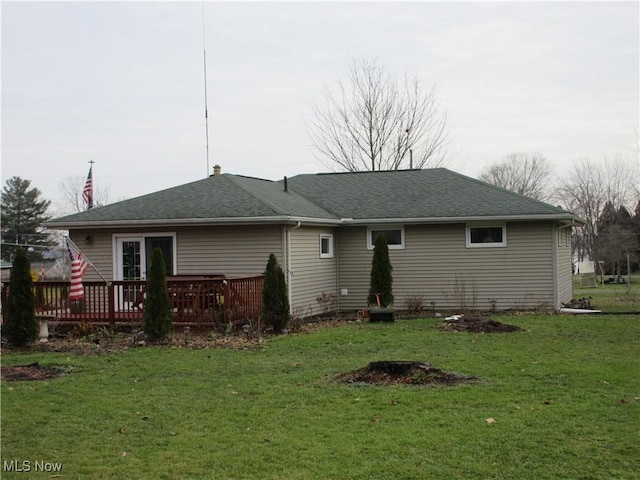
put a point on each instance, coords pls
(487, 236)
(395, 236)
(326, 245)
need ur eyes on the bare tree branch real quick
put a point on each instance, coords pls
(71, 189)
(525, 173)
(373, 122)
(590, 186)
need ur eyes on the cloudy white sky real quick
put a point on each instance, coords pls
(122, 83)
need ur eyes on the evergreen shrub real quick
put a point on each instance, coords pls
(21, 326)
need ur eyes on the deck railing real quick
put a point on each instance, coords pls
(195, 300)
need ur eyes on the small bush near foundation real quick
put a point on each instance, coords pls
(20, 327)
(414, 303)
(275, 301)
(157, 316)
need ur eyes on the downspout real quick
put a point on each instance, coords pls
(336, 252)
(288, 260)
(556, 264)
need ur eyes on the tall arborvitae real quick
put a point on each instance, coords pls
(21, 326)
(381, 282)
(157, 315)
(275, 301)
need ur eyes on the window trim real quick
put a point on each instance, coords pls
(564, 237)
(329, 237)
(471, 226)
(370, 244)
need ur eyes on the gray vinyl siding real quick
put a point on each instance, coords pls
(228, 250)
(232, 251)
(310, 275)
(565, 267)
(99, 252)
(437, 265)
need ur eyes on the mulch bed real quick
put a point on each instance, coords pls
(33, 371)
(477, 324)
(403, 373)
(105, 345)
(110, 345)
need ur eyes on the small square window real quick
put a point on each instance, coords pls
(486, 236)
(395, 237)
(326, 246)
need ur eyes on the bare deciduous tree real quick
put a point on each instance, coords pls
(525, 173)
(589, 186)
(374, 122)
(71, 189)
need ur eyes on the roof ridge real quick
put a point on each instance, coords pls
(234, 178)
(365, 172)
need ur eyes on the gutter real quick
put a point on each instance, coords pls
(194, 222)
(293, 220)
(436, 220)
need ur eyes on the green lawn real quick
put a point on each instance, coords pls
(564, 393)
(611, 298)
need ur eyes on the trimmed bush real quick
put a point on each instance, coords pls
(20, 327)
(157, 315)
(381, 281)
(275, 300)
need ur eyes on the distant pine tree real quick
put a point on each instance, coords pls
(275, 301)
(157, 315)
(381, 281)
(23, 213)
(20, 326)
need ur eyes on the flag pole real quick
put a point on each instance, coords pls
(86, 259)
(206, 106)
(87, 191)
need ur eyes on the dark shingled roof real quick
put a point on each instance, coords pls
(433, 193)
(405, 194)
(217, 197)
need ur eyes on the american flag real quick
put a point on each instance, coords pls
(78, 267)
(87, 192)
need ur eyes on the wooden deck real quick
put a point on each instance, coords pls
(195, 300)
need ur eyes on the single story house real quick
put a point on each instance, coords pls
(455, 242)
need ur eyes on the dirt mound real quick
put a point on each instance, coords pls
(477, 324)
(33, 371)
(403, 373)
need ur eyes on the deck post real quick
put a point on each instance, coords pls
(112, 303)
(226, 306)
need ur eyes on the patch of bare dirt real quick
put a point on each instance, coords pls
(33, 371)
(110, 344)
(477, 324)
(403, 373)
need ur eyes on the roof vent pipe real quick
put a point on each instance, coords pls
(286, 187)
(217, 169)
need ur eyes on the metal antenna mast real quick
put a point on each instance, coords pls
(206, 110)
